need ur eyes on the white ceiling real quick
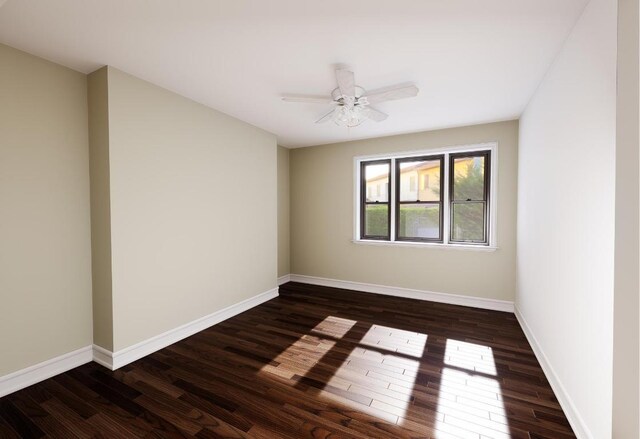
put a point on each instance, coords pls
(474, 61)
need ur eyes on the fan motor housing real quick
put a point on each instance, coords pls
(358, 99)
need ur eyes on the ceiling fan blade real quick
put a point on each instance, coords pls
(401, 92)
(346, 82)
(376, 115)
(308, 99)
(327, 117)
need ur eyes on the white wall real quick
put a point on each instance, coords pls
(566, 190)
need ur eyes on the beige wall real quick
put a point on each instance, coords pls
(45, 260)
(566, 220)
(100, 208)
(626, 283)
(322, 191)
(283, 212)
(189, 236)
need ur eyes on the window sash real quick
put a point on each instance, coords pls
(485, 196)
(364, 203)
(439, 203)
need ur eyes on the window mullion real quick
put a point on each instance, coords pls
(392, 199)
(444, 186)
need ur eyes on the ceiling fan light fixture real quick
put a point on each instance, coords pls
(350, 115)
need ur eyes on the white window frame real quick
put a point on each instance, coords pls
(446, 244)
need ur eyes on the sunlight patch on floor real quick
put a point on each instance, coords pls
(469, 393)
(387, 356)
(470, 356)
(303, 354)
(383, 356)
(334, 327)
(374, 374)
(395, 340)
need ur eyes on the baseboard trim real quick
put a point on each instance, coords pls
(39, 372)
(452, 299)
(115, 360)
(103, 357)
(284, 279)
(575, 419)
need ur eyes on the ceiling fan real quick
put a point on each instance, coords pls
(352, 104)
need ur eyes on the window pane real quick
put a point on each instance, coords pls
(468, 222)
(377, 182)
(420, 180)
(376, 220)
(468, 182)
(419, 221)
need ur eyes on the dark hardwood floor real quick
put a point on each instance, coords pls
(314, 363)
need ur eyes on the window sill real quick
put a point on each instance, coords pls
(464, 247)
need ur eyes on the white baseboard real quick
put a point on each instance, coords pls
(571, 412)
(284, 279)
(103, 357)
(453, 299)
(41, 371)
(115, 360)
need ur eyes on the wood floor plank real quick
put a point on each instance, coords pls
(19, 421)
(41, 417)
(315, 362)
(70, 419)
(7, 431)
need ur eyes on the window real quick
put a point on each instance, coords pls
(468, 186)
(418, 213)
(437, 198)
(375, 215)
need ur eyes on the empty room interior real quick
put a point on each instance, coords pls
(338, 219)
